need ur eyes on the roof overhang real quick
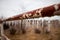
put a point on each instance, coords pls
(41, 12)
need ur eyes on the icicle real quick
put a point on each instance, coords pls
(37, 27)
(37, 24)
(42, 22)
(20, 23)
(25, 23)
(18, 27)
(40, 25)
(29, 23)
(23, 27)
(48, 25)
(12, 23)
(9, 23)
(33, 23)
(15, 23)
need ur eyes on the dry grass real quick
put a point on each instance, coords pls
(53, 35)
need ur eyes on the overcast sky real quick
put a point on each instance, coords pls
(10, 8)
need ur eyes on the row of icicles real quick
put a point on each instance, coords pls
(31, 24)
